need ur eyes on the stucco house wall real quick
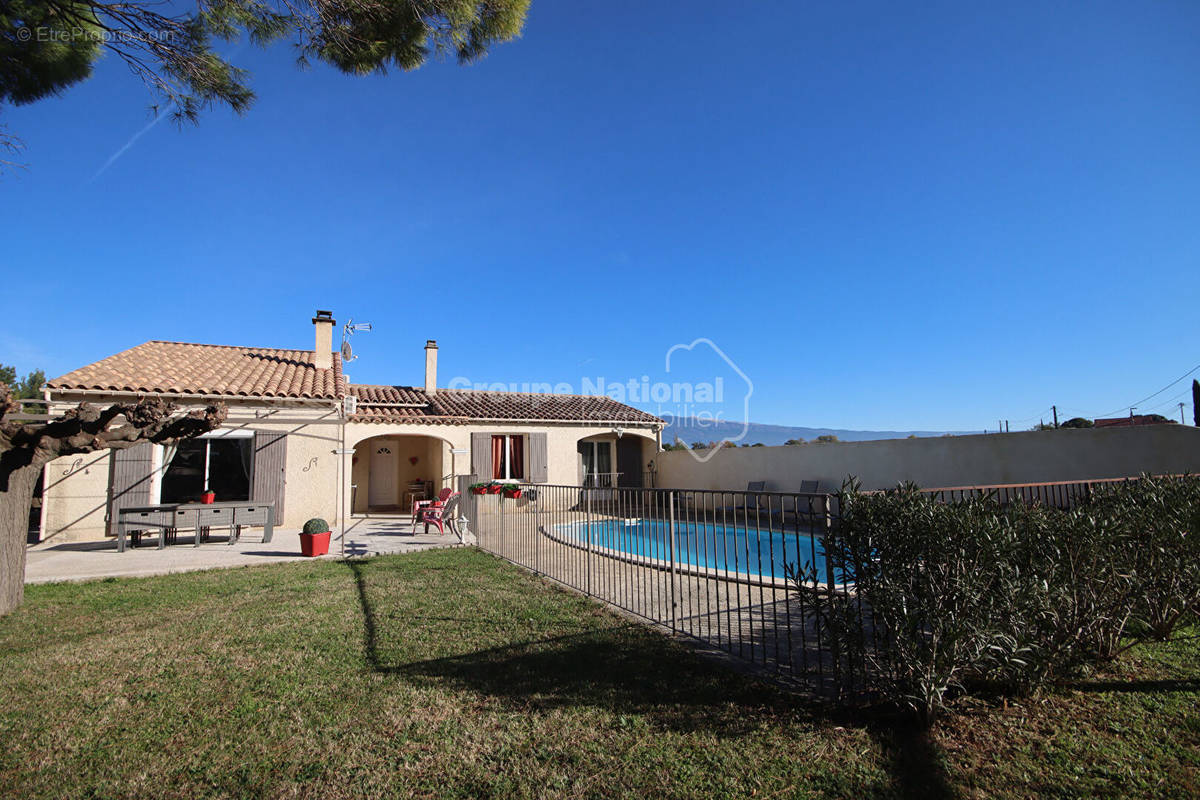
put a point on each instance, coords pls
(311, 486)
(75, 496)
(562, 462)
(305, 395)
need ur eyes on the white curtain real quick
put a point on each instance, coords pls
(168, 455)
(169, 451)
(246, 450)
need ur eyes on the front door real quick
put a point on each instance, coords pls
(382, 489)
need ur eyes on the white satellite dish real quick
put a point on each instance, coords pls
(348, 330)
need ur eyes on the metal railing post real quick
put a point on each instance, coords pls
(537, 531)
(587, 552)
(830, 586)
(671, 550)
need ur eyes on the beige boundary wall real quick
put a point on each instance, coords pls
(1028, 457)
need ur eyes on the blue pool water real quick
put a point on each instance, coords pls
(749, 552)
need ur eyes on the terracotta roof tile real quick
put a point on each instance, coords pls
(459, 406)
(1136, 419)
(207, 369)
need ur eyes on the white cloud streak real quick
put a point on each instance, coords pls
(132, 140)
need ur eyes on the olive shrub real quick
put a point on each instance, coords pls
(946, 596)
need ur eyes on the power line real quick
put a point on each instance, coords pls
(1031, 417)
(1166, 403)
(1068, 413)
(1147, 397)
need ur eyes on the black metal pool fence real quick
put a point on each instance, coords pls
(742, 571)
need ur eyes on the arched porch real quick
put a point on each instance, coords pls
(616, 458)
(389, 471)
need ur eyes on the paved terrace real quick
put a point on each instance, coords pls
(365, 536)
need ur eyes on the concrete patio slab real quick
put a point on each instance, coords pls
(365, 536)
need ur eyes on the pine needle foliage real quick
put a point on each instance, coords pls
(47, 46)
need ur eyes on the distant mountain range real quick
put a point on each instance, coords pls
(691, 430)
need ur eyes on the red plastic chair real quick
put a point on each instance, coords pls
(442, 497)
(435, 512)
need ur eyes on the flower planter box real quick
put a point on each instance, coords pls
(314, 544)
(515, 494)
(207, 498)
(495, 488)
(478, 490)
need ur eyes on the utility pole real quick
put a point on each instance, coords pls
(1055, 410)
(1181, 420)
(1006, 426)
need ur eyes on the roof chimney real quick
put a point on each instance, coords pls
(323, 322)
(430, 367)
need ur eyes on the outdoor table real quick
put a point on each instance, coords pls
(168, 518)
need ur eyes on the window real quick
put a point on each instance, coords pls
(597, 463)
(508, 458)
(220, 464)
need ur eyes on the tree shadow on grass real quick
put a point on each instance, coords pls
(623, 668)
(628, 670)
(915, 761)
(1146, 686)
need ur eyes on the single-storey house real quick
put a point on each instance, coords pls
(1132, 420)
(298, 434)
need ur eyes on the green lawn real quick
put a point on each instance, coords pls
(452, 674)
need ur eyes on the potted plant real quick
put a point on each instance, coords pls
(478, 488)
(208, 497)
(495, 488)
(314, 539)
(511, 491)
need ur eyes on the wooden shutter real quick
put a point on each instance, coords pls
(537, 458)
(270, 464)
(129, 479)
(481, 456)
(629, 462)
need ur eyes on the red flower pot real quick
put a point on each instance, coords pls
(478, 490)
(314, 544)
(495, 488)
(208, 497)
(516, 495)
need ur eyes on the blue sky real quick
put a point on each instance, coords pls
(907, 218)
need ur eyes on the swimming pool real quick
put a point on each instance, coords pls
(746, 552)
